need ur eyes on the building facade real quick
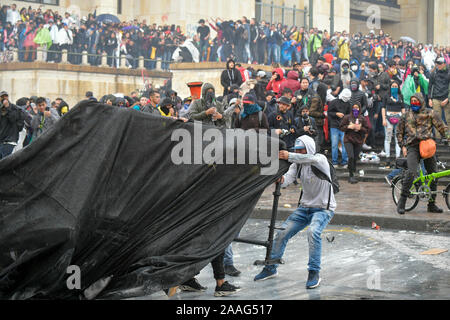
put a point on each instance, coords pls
(426, 21)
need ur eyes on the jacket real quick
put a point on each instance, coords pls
(415, 127)
(197, 110)
(11, 123)
(285, 121)
(352, 136)
(439, 84)
(291, 82)
(65, 37)
(274, 85)
(40, 124)
(229, 77)
(410, 88)
(315, 190)
(337, 106)
(300, 124)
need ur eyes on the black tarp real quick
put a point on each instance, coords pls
(99, 190)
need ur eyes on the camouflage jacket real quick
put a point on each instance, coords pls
(415, 127)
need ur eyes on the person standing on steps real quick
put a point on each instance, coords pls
(415, 126)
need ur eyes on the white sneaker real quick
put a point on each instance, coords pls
(365, 147)
(382, 154)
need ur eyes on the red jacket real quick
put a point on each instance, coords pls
(274, 85)
(291, 82)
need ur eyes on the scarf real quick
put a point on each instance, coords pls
(250, 109)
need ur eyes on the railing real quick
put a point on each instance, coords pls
(281, 14)
(84, 59)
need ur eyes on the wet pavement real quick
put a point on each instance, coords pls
(370, 198)
(359, 264)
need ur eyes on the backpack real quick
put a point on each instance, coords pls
(334, 183)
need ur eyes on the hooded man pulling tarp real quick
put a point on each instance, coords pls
(100, 191)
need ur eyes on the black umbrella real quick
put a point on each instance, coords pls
(108, 18)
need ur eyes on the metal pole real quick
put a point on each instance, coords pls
(311, 13)
(282, 15)
(271, 12)
(276, 196)
(331, 17)
(293, 15)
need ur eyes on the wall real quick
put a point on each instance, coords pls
(442, 22)
(71, 82)
(321, 15)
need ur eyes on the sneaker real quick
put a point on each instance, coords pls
(313, 279)
(232, 271)
(352, 180)
(193, 286)
(382, 154)
(388, 181)
(344, 166)
(226, 289)
(365, 147)
(265, 274)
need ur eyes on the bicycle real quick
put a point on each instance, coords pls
(421, 187)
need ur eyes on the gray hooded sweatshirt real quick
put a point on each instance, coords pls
(315, 190)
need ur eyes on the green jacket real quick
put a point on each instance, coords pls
(314, 43)
(197, 110)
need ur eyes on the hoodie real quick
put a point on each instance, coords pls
(229, 77)
(274, 85)
(197, 110)
(315, 190)
(415, 127)
(291, 82)
(346, 77)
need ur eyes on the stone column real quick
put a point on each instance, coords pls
(141, 63)
(123, 61)
(15, 55)
(84, 58)
(40, 54)
(104, 60)
(64, 58)
(158, 64)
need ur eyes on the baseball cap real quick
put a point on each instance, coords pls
(4, 93)
(284, 100)
(249, 99)
(299, 144)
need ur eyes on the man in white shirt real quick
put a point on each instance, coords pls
(12, 15)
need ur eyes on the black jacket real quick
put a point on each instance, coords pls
(230, 77)
(439, 84)
(337, 106)
(11, 123)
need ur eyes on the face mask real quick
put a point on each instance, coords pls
(354, 68)
(354, 87)
(209, 97)
(345, 70)
(355, 113)
(394, 92)
(415, 107)
(306, 70)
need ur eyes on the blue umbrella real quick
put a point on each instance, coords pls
(130, 27)
(108, 18)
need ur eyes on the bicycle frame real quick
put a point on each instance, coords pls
(428, 179)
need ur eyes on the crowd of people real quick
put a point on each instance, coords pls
(337, 93)
(244, 40)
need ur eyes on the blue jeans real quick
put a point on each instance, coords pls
(336, 137)
(228, 257)
(274, 51)
(317, 219)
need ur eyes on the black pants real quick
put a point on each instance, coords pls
(413, 159)
(320, 139)
(218, 268)
(353, 151)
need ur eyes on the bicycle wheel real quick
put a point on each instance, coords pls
(447, 196)
(411, 202)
